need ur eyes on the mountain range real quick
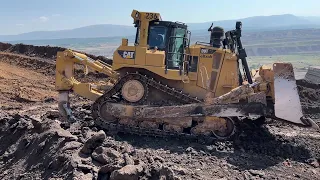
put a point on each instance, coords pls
(256, 23)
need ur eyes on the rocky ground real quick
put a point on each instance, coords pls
(34, 144)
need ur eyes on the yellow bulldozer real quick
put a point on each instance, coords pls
(164, 86)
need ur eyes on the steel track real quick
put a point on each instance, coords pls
(112, 127)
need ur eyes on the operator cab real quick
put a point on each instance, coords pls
(171, 37)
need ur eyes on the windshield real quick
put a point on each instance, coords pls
(157, 36)
(176, 47)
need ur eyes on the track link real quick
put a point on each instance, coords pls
(112, 127)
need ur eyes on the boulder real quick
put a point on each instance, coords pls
(128, 172)
(93, 142)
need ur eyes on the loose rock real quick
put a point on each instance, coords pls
(256, 173)
(314, 162)
(128, 159)
(108, 168)
(94, 141)
(181, 170)
(158, 158)
(128, 172)
(106, 155)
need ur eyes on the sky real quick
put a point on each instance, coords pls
(20, 16)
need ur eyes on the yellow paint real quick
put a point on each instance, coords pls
(155, 58)
(120, 59)
(171, 74)
(267, 75)
(204, 72)
(228, 77)
(140, 56)
(144, 18)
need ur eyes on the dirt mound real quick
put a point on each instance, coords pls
(313, 74)
(32, 51)
(4, 46)
(31, 149)
(29, 81)
(24, 86)
(40, 148)
(49, 52)
(257, 152)
(310, 98)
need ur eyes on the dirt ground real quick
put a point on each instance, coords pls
(35, 145)
(19, 85)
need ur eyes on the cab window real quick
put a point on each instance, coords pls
(157, 37)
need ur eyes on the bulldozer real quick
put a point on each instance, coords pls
(164, 86)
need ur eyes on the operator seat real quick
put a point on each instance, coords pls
(159, 41)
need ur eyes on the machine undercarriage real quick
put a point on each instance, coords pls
(145, 116)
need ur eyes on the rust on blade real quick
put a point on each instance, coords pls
(283, 71)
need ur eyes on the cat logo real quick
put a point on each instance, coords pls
(126, 54)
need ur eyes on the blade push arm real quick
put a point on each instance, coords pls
(65, 65)
(69, 57)
(66, 82)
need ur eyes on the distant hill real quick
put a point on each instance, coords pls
(312, 19)
(259, 43)
(100, 30)
(256, 23)
(274, 22)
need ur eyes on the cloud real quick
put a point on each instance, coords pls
(43, 19)
(56, 15)
(19, 24)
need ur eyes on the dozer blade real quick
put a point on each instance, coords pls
(287, 101)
